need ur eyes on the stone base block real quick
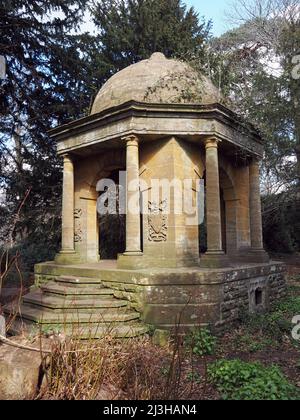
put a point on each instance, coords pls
(251, 256)
(161, 338)
(135, 261)
(191, 296)
(130, 261)
(214, 260)
(67, 257)
(258, 256)
(20, 372)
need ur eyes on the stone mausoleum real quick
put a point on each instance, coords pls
(157, 119)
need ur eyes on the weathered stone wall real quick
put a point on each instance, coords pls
(176, 244)
(191, 297)
(239, 295)
(203, 297)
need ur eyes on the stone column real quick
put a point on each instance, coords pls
(214, 256)
(133, 223)
(255, 206)
(67, 240)
(255, 212)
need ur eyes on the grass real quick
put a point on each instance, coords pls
(131, 369)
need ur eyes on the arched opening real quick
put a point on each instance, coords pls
(112, 225)
(228, 213)
(258, 297)
(202, 226)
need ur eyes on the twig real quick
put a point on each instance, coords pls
(11, 343)
(20, 346)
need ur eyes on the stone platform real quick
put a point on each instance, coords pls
(93, 298)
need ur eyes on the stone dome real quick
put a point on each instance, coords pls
(156, 80)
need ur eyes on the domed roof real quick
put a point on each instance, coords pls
(156, 80)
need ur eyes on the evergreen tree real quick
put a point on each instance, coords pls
(131, 30)
(52, 72)
(45, 85)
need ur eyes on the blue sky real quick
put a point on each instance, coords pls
(215, 10)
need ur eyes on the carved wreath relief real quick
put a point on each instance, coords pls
(78, 229)
(157, 221)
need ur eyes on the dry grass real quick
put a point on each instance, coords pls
(132, 369)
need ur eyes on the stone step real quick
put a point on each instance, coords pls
(77, 306)
(116, 331)
(84, 332)
(79, 292)
(73, 281)
(42, 316)
(67, 303)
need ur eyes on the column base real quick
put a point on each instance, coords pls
(132, 254)
(65, 257)
(258, 256)
(214, 259)
(250, 255)
(130, 260)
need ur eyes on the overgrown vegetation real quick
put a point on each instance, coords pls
(277, 324)
(237, 380)
(252, 362)
(110, 369)
(201, 342)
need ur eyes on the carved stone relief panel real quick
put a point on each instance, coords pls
(78, 229)
(157, 221)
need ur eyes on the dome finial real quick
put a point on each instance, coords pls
(158, 56)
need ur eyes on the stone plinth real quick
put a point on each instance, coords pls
(198, 296)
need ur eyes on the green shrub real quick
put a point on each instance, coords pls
(289, 306)
(281, 223)
(194, 377)
(273, 325)
(32, 253)
(28, 254)
(237, 380)
(201, 342)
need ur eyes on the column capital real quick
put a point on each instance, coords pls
(67, 157)
(255, 160)
(131, 140)
(212, 142)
